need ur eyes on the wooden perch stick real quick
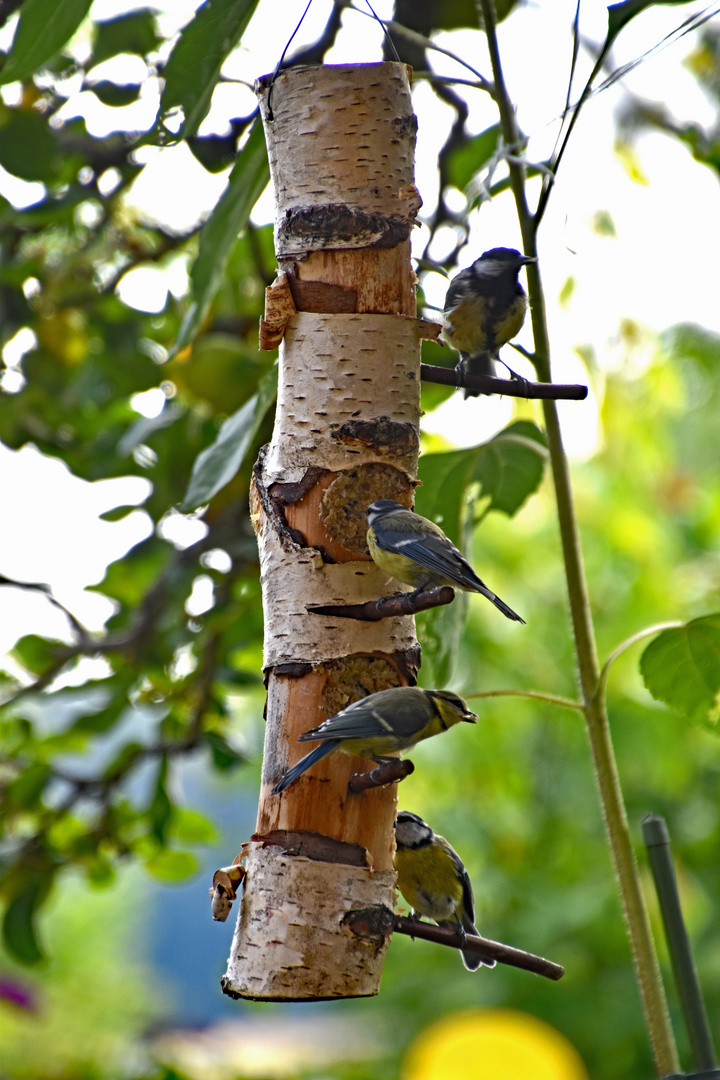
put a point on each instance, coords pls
(504, 954)
(388, 606)
(509, 387)
(380, 777)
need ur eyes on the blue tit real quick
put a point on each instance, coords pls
(485, 308)
(433, 880)
(381, 724)
(418, 552)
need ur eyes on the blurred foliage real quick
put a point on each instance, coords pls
(88, 770)
(166, 674)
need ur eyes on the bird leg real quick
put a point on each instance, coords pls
(514, 375)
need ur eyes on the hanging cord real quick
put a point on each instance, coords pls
(391, 43)
(385, 30)
(276, 72)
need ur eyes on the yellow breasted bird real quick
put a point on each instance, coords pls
(418, 552)
(485, 308)
(432, 878)
(381, 724)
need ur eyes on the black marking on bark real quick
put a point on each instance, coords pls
(390, 438)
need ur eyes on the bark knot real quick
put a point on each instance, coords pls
(371, 925)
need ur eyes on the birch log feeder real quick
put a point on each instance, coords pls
(317, 910)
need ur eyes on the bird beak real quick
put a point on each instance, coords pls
(470, 718)
(528, 259)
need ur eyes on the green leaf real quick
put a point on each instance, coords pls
(172, 867)
(118, 513)
(191, 827)
(224, 755)
(26, 790)
(161, 809)
(218, 463)
(511, 467)
(687, 341)
(19, 931)
(44, 27)
(433, 394)
(465, 161)
(96, 720)
(115, 95)
(681, 667)
(602, 223)
(619, 15)
(215, 152)
(27, 149)
(100, 872)
(443, 495)
(37, 653)
(247, 182)
(194, 66)
(133, 33)
(142, 429)
(124, 759)
(440, 631)
(508, 468)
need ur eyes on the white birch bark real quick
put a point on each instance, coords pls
(298, 957)
(341, 147)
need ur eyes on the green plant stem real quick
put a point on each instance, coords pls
(535, 695)
(646, 964)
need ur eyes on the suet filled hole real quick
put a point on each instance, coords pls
(353, 677)
(343, 509)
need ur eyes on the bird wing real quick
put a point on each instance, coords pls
(437, 554)
(467, 915)
(457, 289)
(399, 715)
(468, 912)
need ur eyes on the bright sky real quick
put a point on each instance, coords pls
(659, 269)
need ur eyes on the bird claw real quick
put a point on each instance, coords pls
(517, 378)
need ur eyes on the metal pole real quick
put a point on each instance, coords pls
(657, 841)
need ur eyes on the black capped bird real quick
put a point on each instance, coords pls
(432, 878)
(381, 724)
(485, 308)
(418, 552)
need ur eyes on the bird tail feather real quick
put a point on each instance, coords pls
(507, 611)
(471, 960)
(299, 768)
(475, 364)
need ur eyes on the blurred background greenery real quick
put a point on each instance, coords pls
(131, 748)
